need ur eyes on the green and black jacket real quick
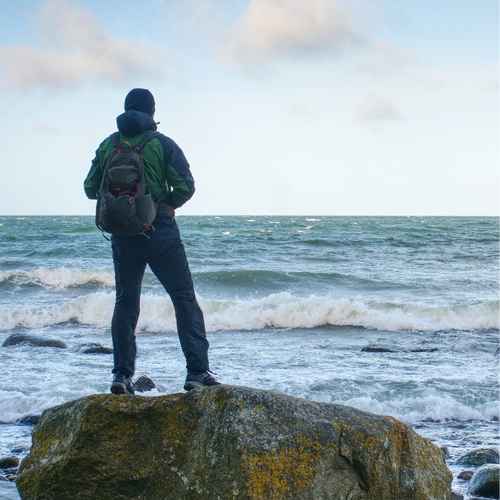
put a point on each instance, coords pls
(167, 171)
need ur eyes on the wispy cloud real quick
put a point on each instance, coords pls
(300, 110)
(273, 29)
(491, 85)
(76, 48)
(45, 128)
(195, 15)
(384, 58)
(374, 108)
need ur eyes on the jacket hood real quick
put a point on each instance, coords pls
(135, 122)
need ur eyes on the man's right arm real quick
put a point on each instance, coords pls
(93, 180)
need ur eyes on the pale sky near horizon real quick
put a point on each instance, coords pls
(282, 107)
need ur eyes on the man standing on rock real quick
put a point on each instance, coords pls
(171, 184)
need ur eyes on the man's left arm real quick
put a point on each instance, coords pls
(179, 176)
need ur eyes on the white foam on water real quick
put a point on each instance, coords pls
(281, 310)
(60, 277)
(435, 407)
(94, 309)
(157, 314)
(15, 405)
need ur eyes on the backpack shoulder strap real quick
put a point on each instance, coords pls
(115, 139)
(150, 134)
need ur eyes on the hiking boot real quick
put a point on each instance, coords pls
(204, 379)
(122, 384)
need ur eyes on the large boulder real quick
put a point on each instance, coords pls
(227, 442)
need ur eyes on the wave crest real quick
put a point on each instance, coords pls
(60, 277)
(282, 310)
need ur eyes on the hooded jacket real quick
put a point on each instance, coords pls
(166, 169)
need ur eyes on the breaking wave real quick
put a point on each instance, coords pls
(60, 277)
(281, 310)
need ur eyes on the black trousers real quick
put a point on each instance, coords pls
(165, 254)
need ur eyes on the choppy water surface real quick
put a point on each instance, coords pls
(289, 302)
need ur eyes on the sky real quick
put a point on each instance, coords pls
(282, 107)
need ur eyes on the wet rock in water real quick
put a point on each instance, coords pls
(497, 351)
(386, 349)
(29, 420)
(376, 349)
(32, 340)
(3, 478)
(19, 450)
(485, 481)
(96, 349)
(9, 462)
(227, 442)
(445, 451)
(465, 475)
(476, 458)
(144, 384)
(456, 496)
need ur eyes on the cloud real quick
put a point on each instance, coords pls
(384, 58)
(300, 110)
(45, 128)
(76, 49)
(274, 29)
(491, 85)
(375, 108)
(193, 16)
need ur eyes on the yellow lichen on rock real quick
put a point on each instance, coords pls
(273, 475)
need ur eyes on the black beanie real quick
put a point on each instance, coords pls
(140, 100)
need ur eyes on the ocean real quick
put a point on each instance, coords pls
(289, 302)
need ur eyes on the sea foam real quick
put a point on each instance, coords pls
(60, 277)
(432, 408)
(282, 310)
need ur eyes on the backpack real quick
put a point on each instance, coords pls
(124, 205)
